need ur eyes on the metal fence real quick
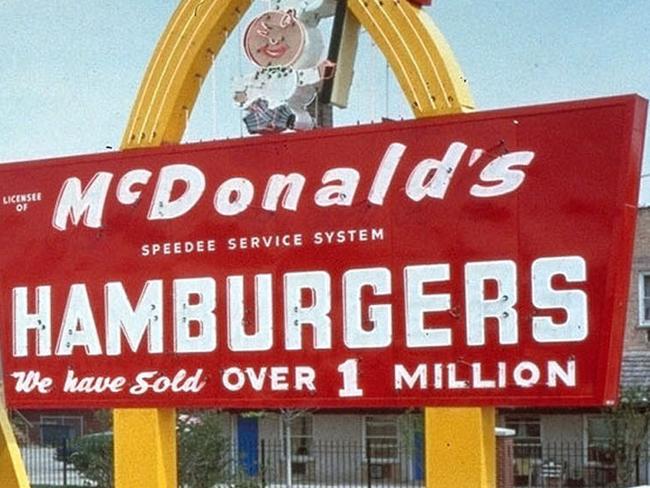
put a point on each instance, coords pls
(84, 462)
(340, 464)
(265, 464)
(574, 465)
(50, 466)
(346, 464)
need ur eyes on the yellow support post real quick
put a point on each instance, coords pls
(145, 448)
(12, 469)
(460, 447)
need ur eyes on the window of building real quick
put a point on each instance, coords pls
(54, 428)
(301, 434)
(528, 435)
(527, 448)
(381, 438)
(644, 300)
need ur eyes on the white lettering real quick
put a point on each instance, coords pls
(574, 302)
(26, 382)
(195, 301)
(526, 374)
(342, 194)
(40, 322)
(403, 376)
(78, 328)
(421, 183)
(238, 338)
(318, 285)
(385, 173)
(417, 303)
(73, 203)
(566, 375)
(162, 207)
(501, 171)
(134, 324)
(479, 307)
(290, 185)
(356, 336)
(234, 196)
(125, 194)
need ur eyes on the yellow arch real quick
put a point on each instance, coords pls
(184, 55)
(418, 54)
(432, 82)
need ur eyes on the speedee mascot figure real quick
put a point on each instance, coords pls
(286, 46)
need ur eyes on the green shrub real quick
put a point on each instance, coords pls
(92, 457)
(203, 449)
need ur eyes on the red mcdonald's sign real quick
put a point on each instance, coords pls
(478, 259)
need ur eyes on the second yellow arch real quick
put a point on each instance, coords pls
(433, 84)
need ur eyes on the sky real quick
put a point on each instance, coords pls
(70, 70)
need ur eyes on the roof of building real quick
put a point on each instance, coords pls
(635, 369)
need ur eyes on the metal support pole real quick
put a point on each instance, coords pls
(263, 462)
(368, 467)
(289, 471)
(65, 461)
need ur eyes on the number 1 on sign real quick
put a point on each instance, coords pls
(350, 372)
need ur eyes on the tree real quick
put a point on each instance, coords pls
(92, 456)
(203, 449)
(628, 425)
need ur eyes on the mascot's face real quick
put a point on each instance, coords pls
(275, 38)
